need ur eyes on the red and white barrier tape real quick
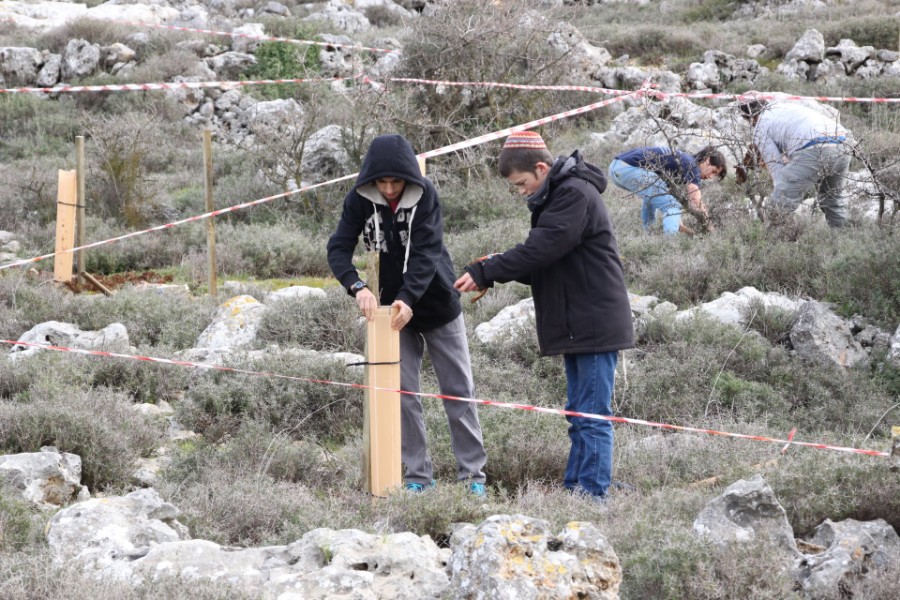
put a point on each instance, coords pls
(514, 86)
(437, 152)
(655, 93)
(541, 409)
(175, 85)
(251, 36)
(496, 135)
(214, 213)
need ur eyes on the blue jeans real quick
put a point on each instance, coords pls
(590, 380)
(653, 192)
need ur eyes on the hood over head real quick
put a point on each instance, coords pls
(391, 156)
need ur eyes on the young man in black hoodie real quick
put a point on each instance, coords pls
(571, 261)
(397, 212)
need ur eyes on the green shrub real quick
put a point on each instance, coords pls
(281, 60)
(151, 319)
(865, 279)
(97, 425)
(95, 31)
(816, 485)
(21, 523)
(217, 402)
(259, 487)
(496, 44)
(771, 322)
(330, 323)
(278, 250)
(34, 127)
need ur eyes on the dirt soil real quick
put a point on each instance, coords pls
(118, 280)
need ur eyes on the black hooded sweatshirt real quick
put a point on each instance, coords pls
(571, 260)
(415, 265)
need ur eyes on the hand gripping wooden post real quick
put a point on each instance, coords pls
(65, 226)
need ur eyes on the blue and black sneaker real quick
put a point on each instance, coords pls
(477, 489)
(417, 488)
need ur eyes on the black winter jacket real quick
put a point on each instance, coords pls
(415, 265)
(571, 260)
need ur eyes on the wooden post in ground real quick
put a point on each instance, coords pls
(80, 200)
(381, 409)
(210, 223)
(65, 226)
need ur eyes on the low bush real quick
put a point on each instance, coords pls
(98, 425)
(21, 523)
(25, 576)
(278, 250)
(151, 319)
(260, 487)
(217, 402)
(331, 323)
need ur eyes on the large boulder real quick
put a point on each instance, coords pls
(140, 12)
(734, 308)
(325, 155)
(55, 333)
(514, 557)
(854, 550)
(821, 336)
(747, 511)
(338, 60)
(246, 37)
(49, 74)
(41, 16)
(19, 66)
(353, 564)
(582, 58)
(80, 59)
(850, 55)
(229, 66)
(809, 48)
(342, 17)
(508, 322)
(104, 535)
(234, 325)
(46, 478)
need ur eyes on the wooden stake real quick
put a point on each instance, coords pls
(65, 226)
(210, 223)
(96, 283)
(80, 201)
(381, 409)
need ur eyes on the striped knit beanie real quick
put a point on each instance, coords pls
(527, 140)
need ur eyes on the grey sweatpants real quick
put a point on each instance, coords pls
(448, 350)
(822, 167)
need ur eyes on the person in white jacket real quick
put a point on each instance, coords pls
(804, 151)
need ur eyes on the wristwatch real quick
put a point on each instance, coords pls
(354, 289)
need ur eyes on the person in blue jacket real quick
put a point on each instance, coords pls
(652, 173)
(571, 260)
(396, 209)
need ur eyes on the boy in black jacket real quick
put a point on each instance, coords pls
(397, 211)
(571, 261)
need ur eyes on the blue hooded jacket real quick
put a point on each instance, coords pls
(415, 266)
